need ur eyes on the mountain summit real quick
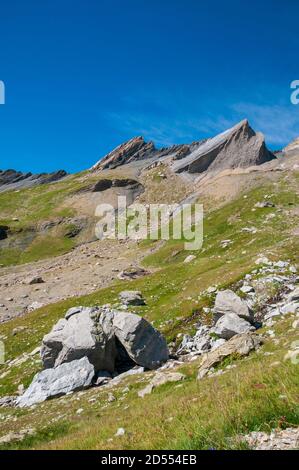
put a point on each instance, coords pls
(239, 146)
(134, 149)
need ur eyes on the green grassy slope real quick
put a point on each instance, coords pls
(23, 210)
(197, 414)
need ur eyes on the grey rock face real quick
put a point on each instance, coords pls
(230, 325)
(106, 337)
(137, 149)
(8, 401)
(73, 376)
(78, 335)
(160, 379)
(237, 147)
(144, 345)
(198, 344)
(134, 149)
(286, 439)
(241, 344)
(294, 295)
(131, 297)
(229, 302)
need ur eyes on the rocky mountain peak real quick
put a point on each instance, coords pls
(132, 150)
(238, 147)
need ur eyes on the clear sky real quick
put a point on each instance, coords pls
(82, 76)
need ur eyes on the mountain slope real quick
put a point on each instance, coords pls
(247, 397)
(293, 147)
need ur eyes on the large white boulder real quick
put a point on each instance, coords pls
(80, 334)
(229, 302)
(73, 376)
(144, 344)
(107, 337)
(230, 325)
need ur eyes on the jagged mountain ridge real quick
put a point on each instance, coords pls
(239, 146)
(138, 149)
(13, 180)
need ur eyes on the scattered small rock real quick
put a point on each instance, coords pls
(131, 297)
(189, 259)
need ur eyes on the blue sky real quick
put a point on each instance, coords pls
(82, 76)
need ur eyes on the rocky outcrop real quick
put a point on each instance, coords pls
(144, 345)
(110, 339)
(50, 383)
(240, 344)
(90, 346)
(137, 149)
(80, 334)
(199, 343)
(278, 439)
(229, 302)
(128, 183)
(238, 147)
(230, 325)
(131, 297)
(292, 148)
(159, 379)
(13, 180)
(134, 149)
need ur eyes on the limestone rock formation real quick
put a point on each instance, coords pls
(110, 339)
(134, 149)
(72, 376)
(238, 147)
(131, 297)
(144, 345)
(229, 302)
(293, 147)
(79, 335)
(230, 325)
(240, 344)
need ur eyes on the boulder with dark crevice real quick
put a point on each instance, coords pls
(3, 232)
(110, 339)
